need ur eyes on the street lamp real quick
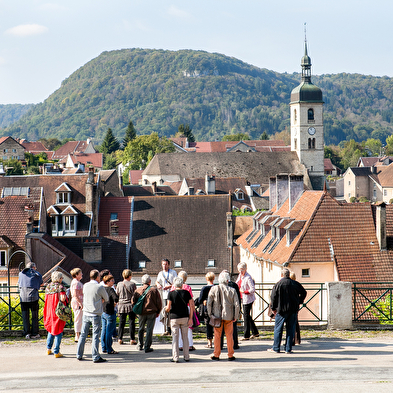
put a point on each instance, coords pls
(9, 282)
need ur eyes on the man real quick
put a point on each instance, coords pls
(94, 295)
(164, 283)
(223, 303)
(29, 284)
(152, 305)
(285, 299)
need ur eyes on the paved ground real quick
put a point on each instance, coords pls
(321, 365)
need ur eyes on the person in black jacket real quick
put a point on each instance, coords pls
(285, 299)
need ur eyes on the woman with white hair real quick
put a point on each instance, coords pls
(247, 293)
(180, 316)
(54, 293)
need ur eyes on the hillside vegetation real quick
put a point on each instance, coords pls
(216, 95)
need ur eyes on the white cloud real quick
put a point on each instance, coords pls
(27, 30)
(177, 12)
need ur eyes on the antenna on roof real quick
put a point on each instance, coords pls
(305, 32)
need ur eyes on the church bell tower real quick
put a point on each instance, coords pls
(306, 108)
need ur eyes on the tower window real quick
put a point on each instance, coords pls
(295, 115)
(310, 114)
(311, 143)
(295, 143)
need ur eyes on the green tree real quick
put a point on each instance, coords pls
(333, 152)
(372, 146)
(389, 145)
(110, 161)
(139, 152)
(110, 144)
(236, 137)
(264, 136)
(130, 134)
(351, 153)
(13, 167)
(50, 143)
(186, 131)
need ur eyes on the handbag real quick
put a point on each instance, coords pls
(215, 321)
(138, 306)
(63, 312)
(195, 320)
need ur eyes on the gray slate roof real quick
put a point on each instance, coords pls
(256, 167)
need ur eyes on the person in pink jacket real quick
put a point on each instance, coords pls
(247, 292)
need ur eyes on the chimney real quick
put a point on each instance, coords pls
(282, 189)
(272, 192)
(154, 187)
(296, 188)
(90, 190)
(380, 223)
(210, 184)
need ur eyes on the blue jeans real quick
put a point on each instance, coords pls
(56, 339)
(290, 320)
(148, 320)
(108, 324)
(95, 322)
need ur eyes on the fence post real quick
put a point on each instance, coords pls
(339, 305)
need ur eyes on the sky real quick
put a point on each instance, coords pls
(43, 42)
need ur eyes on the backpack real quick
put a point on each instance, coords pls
(138, 306)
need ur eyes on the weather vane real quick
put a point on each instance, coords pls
(305, 32)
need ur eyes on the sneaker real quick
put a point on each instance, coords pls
(272, 350)
(289, 352)
(244, 339)
(174, 361)
(99, 360)
(50, 352)
(28, 337)
(58, 355)
(35, 336)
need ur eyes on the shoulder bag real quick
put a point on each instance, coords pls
(138, 306)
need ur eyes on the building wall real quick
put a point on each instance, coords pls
(11, 149)
(356, 186)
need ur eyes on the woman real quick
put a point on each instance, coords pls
(77, 300)
(247, 293)
(108, 318)
(180, 317)
(202, 303)
(183, 275)
(296, 339)
(125, 289)
(54, 293)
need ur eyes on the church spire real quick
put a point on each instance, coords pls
(306, 61)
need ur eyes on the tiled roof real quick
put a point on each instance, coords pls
(122, 207)
(4, 138)
(385, 175)
(94, 159)
(147, 190)
(187, 228)
(135, 175)
(34, 147)
(70, 147)
(328, 165)
(255, 167)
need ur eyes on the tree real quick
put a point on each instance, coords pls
(13, 167)
(351, 153)
(186, 131)
(139, 152)
(110, 143)
(372, 147)
(389, 145)
(333, 152)
(130, 134)
(50, 143)
(109, 161)
(264, 136)
(236, 137)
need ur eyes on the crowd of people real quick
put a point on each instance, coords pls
(97, 303)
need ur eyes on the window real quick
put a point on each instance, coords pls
(295, 143)
(14, 150)
(142, 264)
(310, 114)
(3, 259)
(177, 264)
(311, 143)
(211, 263)
(69, 224)
(3, 288)
(311, 168)
(5, 150)
(63, 197)
(295, 115)
(385, 192)
(306, 272)
(113, 216)
(349, 182)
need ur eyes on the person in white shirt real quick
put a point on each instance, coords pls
(164, 283)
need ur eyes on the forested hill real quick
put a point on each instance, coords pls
(216, 95)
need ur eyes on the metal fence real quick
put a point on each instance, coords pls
(372, 302)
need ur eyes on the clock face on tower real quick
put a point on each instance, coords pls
(311, 130)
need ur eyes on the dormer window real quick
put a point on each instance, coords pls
(239, 194)
(63, 194)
